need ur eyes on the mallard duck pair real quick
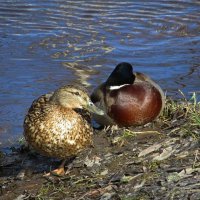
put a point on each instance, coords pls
(58, 124)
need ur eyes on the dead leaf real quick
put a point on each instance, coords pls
(150, 149)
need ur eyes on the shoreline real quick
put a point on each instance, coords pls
(160, 160)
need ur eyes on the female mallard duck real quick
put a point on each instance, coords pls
(57, 124)
(128, 98)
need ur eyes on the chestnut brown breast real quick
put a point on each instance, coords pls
(135, 104)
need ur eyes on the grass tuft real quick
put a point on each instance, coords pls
(182, 114)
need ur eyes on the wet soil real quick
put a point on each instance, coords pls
(148, 162)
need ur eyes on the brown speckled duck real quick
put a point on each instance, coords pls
(128, 98)
(58, 124)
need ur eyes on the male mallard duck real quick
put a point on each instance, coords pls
(128, 98)
(57, 124)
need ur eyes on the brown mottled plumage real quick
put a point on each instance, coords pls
(128, 99)
(57, 124)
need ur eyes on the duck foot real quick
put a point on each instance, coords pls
(60, 171)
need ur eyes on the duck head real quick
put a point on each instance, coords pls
(121, 75)
(74, 97)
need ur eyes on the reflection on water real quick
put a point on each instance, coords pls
(46, 44)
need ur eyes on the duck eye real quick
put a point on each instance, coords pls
(76, 93)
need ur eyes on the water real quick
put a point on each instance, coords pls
(47, 44)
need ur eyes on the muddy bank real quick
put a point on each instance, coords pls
(160, 160)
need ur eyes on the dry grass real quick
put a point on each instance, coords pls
(182, 116)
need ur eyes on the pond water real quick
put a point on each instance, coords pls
(45, 44)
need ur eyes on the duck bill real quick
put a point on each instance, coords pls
(94, 109)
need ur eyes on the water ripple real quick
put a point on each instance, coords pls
(44, 44)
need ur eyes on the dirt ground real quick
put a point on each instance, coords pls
(155, 161)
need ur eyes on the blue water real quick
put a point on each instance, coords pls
(47, 44)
